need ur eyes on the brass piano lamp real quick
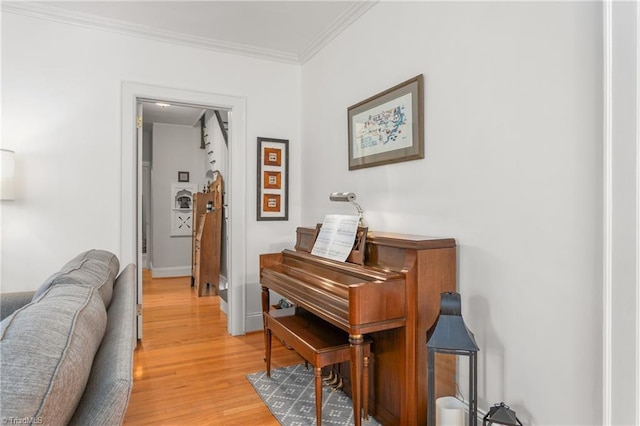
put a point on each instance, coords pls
(351, 198)
(450, 335)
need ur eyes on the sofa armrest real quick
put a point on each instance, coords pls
(106, 396)
(11, 302)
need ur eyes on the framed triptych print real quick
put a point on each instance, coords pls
(273, 179)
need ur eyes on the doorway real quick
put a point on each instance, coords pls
(131, 211)
(183, 148)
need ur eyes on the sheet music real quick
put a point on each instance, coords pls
(336, 237)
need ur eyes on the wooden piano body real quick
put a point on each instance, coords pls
(392, 299)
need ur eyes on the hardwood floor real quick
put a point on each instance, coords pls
(188, 369)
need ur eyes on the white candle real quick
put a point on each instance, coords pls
(449, 411)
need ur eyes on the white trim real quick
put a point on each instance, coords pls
(255, 321)
(342, 22)
(236, 181)
(176, 271)
(224, 307)
(637, 214)
(52, 13)
(480, 413)
(58, 14)
(139, 136)
(607, 196)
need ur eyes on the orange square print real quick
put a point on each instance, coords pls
(271, 203)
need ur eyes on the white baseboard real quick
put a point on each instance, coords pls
(176, 271)
(480, 413)
(253, 322)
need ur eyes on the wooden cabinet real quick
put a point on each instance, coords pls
(207, 237)
(200, 200)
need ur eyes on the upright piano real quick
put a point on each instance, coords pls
(392, 298)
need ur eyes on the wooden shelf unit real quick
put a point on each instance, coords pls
(207, 237)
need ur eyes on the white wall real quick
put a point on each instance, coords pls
(175, 148)
(623, 202)
(61, 108)
(513, 171)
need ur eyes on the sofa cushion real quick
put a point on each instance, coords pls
(98, 268)
(46, 352)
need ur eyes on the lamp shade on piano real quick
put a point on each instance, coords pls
(342, 196)
(450, 335)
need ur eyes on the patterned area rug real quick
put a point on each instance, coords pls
(290, 396)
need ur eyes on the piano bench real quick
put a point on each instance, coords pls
(320, 344)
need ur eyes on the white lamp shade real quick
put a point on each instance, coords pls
(8, 175)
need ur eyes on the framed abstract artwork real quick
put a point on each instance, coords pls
(388, 127)
(273, 179)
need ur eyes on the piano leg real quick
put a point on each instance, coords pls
(365, 388)
(318, 374)
(357, 361)
(267, 345)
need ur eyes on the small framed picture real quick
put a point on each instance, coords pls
(271, 203)
(273, 179)
(183, 176)
(273, 157)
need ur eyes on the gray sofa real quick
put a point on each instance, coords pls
(66, 350)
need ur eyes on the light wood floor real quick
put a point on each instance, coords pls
(188, 369)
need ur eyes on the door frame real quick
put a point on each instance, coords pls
(131, 164)
(146, 260)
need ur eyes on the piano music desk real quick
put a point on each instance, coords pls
(319, 343)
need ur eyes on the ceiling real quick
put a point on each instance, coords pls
(170, 114)
(286, 31)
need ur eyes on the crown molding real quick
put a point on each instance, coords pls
(343, 21)
(52, 13)
(57, 14)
